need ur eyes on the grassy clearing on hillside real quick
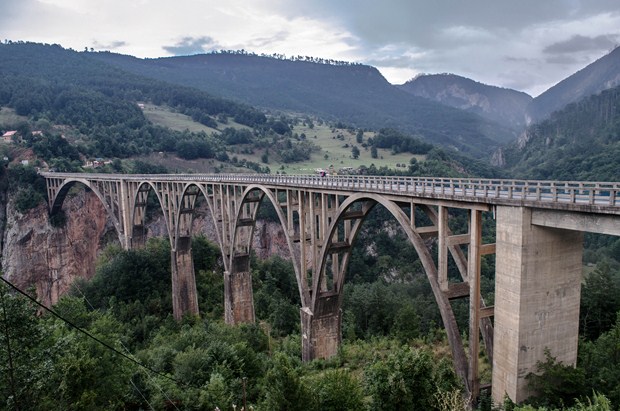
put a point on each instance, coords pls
(337, 151)
(176, 121)
(333, 150)
(167, 117)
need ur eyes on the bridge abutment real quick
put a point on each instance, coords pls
(238, 293)
(537, 293)
(184, 293)
(321, 331)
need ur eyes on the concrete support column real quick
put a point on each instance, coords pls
(321, 331)
(138, 237)
(184, 294)
(537, 290)
(238, 294)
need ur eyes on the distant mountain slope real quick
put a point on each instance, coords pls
(356, 94)
(580, 142)
(98, 102)
(501, 105)
(603, 74)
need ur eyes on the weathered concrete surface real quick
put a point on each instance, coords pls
(537, 287)
(184, 294)
(320, 331)
(238, 298)
(593, 223)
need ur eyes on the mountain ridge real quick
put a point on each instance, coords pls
(502, 105)
(602, 74)
(356, 94)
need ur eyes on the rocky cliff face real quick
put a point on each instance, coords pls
(51, 259)
(35, 253)
(504, 106)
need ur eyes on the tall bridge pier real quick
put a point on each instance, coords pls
(539, 242)
(537, 289)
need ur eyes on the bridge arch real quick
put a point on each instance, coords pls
(244, 242)
(138, 208)
(108, 203)
(369, 201)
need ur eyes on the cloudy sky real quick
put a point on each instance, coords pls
(527, 45)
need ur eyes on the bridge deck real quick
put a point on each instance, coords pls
(593, 197)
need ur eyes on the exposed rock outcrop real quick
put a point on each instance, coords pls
(51, 259)
(37, 254)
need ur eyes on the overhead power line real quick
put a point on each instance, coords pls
(89, 335)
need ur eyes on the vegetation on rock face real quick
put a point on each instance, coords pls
(28, 187)
(504, 106)
(580, 142)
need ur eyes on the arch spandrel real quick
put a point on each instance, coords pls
(138, 203)
(245, 220)
(344, 213)
(430, 268)
(184, 215)
(63, 190)
(283, 218)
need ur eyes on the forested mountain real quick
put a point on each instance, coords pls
(580, 142)
(603, 74)
(356, 94)
(98, 104)
(501, 105)
(87, 108)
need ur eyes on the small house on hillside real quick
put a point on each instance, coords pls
(9, 135)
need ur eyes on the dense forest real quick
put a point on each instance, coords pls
(355, 94)
(579, 142)
(112, 343)
(118, 328)
(100, 105)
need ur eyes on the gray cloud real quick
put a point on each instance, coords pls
(578, 43)
(563, 59)
(192, 45)
(422, 22)
(12, 9)
(470, 38)
(109, 46)
(527, 44)
(266, 41)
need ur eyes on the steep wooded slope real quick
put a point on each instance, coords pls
(603, 74)
(580, 142)
(356, 94)
(501, 105)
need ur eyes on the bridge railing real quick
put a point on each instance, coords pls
(577, 192)
(571, 192)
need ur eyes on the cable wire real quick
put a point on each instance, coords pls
(152, 380)
(89, 335)
(142, 395)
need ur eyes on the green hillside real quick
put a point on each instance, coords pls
(580, 142)
(353, 93)
(70, 107)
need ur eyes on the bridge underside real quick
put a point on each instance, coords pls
(538, 263)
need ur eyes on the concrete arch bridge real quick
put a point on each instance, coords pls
(539, 246)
